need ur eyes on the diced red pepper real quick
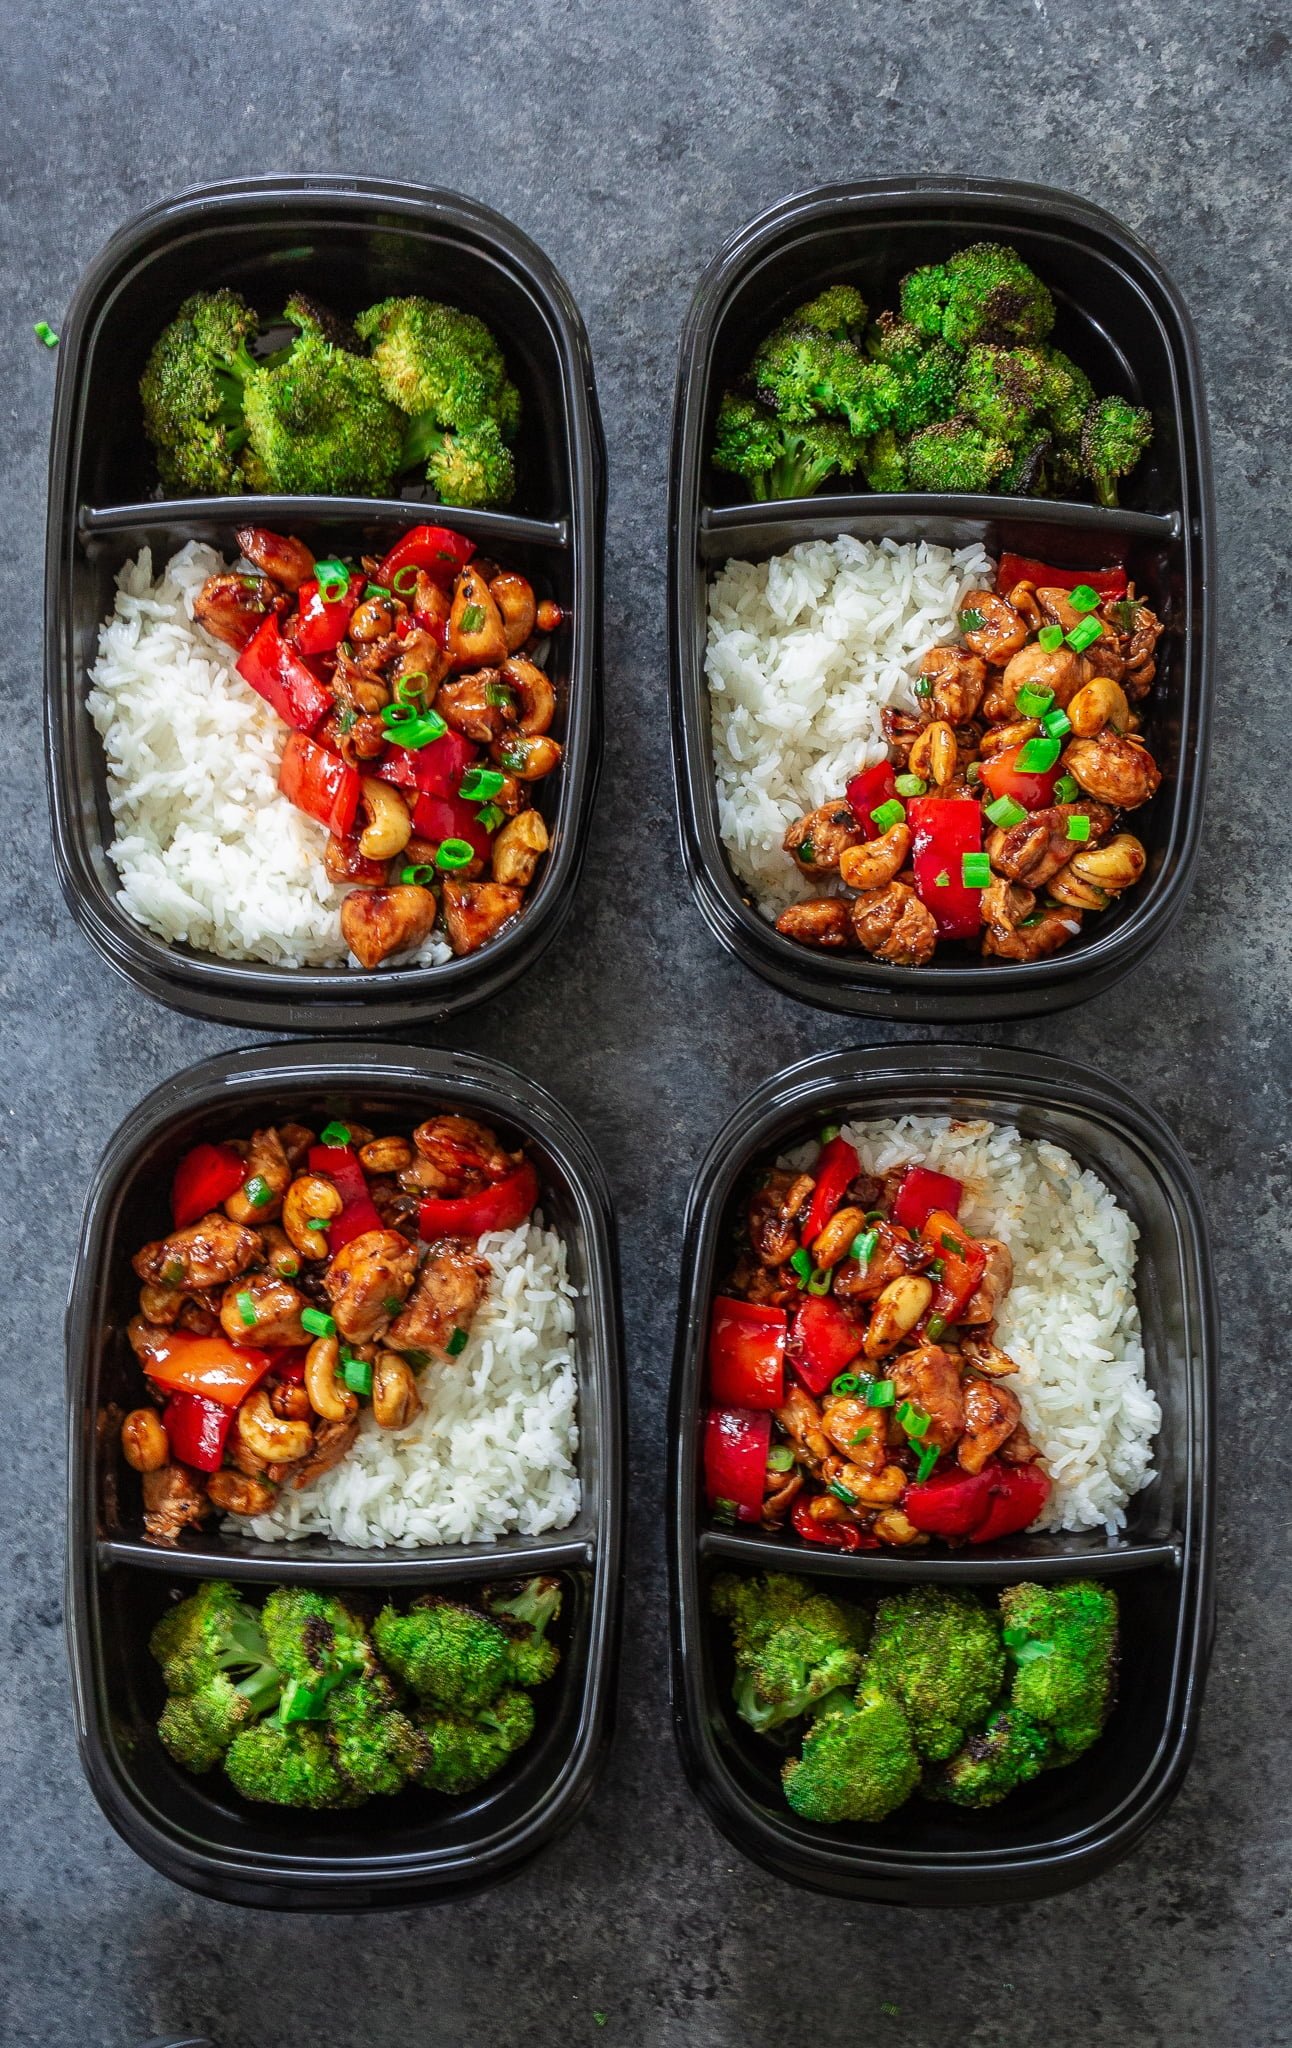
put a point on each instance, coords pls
(436, 549)
(736, 1444)
(436, 769)
(1019, 1492)
(963, 1260)
(322, 623)
(319, 783)
(1003, 778)
(359, 1213)
(204, 1178)
(746, 1354)
(1026, 569)
(943, 830)
(951, 1503)
(450, 817)
(867, 791)
(279, 675)
(290, 1365)
(196, 1430)
(835, 1535)
(837, 1167)
(824, 1340)
(500, 1207)
(223, 1372)
(920, 1191)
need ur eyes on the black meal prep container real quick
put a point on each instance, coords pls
(1121, 318)
(349, 241)
(415, 1847)
(1069, 1824)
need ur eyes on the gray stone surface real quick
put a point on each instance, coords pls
(630, 141)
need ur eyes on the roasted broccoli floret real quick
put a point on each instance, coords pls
(376, 1746)
(473, 467)
(955, 456)
(218, 1672)
(525, 1612)
(444, 369)
(1114, 434)
(1010, 1750)
(317, 1644)
(294, 1766)
(320, 422)
(939, 1653)
(780, 461)
(1066, 394)
(450, 1654)
(805, 375)
(927, 373)
(793, 1645)
(469, 1747)
(884, 462)
(858, 1760)
(1001, 389)
(192, 394)
(983, 293)
(1062, 1643)
(839, 310)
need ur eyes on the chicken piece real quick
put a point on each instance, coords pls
(956, 677)
(475, 912)
(263, 1311)
(773, 1212)
(295, 1140)
(896, 1252)
(284, 559)
(859, 1432)
(764, 1286)
(421, 667)
(378, 922)
(332, 1440)
(821, 921)
(1138, 648)
(800, 1418)
(174, 1500)
(1002, 631)
(476, 705)
(368, 1282)
(1036, 668)
(268, 1175)
(984, 1303)
(1019, 1449)
(343, 862)
(991, 1413)
(894, 925)
(1056, 606)
(780, 1489)
(817, 839)
(449, 1290)
(463, 1153)
(231, 607)
(147, 1340)
(205, 1254)
(1116, 769)
(986, 1356)
(1038, 846)
(1014, 929)
(929, 1378)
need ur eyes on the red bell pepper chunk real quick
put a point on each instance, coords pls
(867, 791)
(824, 1340)
(278, 674)
(290, 1365)
(951, 1503)
(358, 1213)
(920, 1191)
(204, 1178)
(322, 623)
(196, 1430)
(500, 1207)
(320, 784)
(436, 769)
(736, 1444)
(963, 1260)
(746, 1354)
(943, 830)
(437, 550)
(1026, 569)
(223, 1372)
(835, 1535)
(1003, 778)
(450, 817)
(836, 1169)
(1019, 1492)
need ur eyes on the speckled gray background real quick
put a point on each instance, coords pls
(629, 141)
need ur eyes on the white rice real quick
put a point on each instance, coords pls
(1070, 1321)
(804, 652)
(209, 853)
(493, 1450)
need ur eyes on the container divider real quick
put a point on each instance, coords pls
(920, 1567)
(210, 515)
(288, 1563)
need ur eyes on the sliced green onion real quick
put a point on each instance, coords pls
(1057, 723)
(457, 1342)
(375, 590)
(472, 618)
(845, 1383)
(911, 785)
(452, 854)
(878, 1393)
(842, 1493)
(973, 773)
(801, 1263)
(1035, 756)
(318, 1222)
(972, 620)
(863, 1246)
(922, 686)
(404, 580)
(1083, 598)
(347, 718)
(1084, 635)
(829, 1132)
(258, 1191)
(419, 874)
(936, 1268)
(1050, 638)
(357, 1374)
(943, 880)
(889, 814)
(934, 1327)
(860, 1436)
(335, 1134)
(498, 695)
(317, 1322)
(246, 1307)
(874, 1216)
(1067, 789)
(333, 579)
(804, 850)
(913, 1420)
(975, 870)
(725, 1512)
(478, 785)
(514, 756)
(1031, 703)
(820, 1281)
(44, 332)
(928, 1459)
(780, 1458)
(408, 727)
(411, 688)
(1005, 812)
(1126, 613)
(1078, 826)
(952, 1245)
(490, 817)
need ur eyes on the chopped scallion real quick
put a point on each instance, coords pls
(1050, 638)
(934, 1327)
(335, 1134)
(478, 785)
(952, 1245)
(1083, 598)
(404, 580)
(842, 1493)
(490, 817)
(498, 695)
(1031, 703)
(1084, 635)
(889, 814)
(804, 850)
(913, 1420)
(258, 1191)
(333, 579)
(44, 332)
(1067, 789)
(863, 1245)
(317, 1322)
(357, 1374)
(801, 1263)
(928, 1459)
(973, 773)
(860, 1436)
(375, 590)
(878, 1394)
(972, 620)
(1036, 756)
(829, 1132)
(1057, 723)
(1078, 826)
(975, 870)
(780, 1458)
(457, 1343)
(472, 618)
(418, 874)
(1005, 813)
(943, 880)
(922, 686)
(820, 1281)
(911, 785)
(846, 1383)
(451, 854)
(246, 1308)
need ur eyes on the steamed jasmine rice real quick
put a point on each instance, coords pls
(804, 652)
(492, 1452)
(1070, 1320)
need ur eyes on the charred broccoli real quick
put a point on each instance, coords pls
(858, 1761)
(218, 1673)
(955, 456)
(320, 422)
(445, 371)
(468, 1748)
(983, 293)
(1114, 434)
(317, 1644)
(376, 1747)
(293, 1766)
(777, 460)
(524, 1612)
(1062, 1642)
(939, 1653)
(793, 1645)
(192, 393)
(448, 1653)
(927, 372)
(1009, 1751)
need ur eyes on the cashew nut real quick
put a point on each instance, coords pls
(933, 753)
(534, 694)
(144, 1443)
(267, 1436)
(389, 826)
(369, 620)
(280, 1251)
(395, 1399)
(1114, 866)
(529, 757)
(1101, 702)
(386, 1155)
(266, 1162)
(1070, 890)
(234, 1493)
(872, 865)
(310, 1199)
(290, 1401)
(834, 1241)
(517, 847)
(514, 596)
(328, 1394)
(896, 1312)
(893, 1527)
